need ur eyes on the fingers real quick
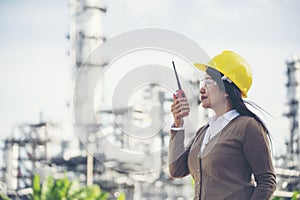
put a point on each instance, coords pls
(181, 111)
(180, 105)
(180, 108)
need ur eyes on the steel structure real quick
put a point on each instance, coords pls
(293, 95)
(25, 153)
(288, 165)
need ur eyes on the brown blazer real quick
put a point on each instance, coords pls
(225, 167)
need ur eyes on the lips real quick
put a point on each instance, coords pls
(203, 98)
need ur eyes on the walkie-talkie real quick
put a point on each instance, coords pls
(179, 92)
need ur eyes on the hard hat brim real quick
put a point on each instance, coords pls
(201, 67)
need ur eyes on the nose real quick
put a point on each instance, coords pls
(202, 90)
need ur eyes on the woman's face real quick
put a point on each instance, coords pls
(210, 94)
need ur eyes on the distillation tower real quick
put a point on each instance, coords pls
(85, 35)
(288, 172)
(293, 95)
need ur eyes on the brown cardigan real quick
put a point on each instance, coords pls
(224, 169)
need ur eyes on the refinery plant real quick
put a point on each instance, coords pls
(94, 156)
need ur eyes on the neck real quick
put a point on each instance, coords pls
(222, 108)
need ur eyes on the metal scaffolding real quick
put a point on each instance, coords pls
(293, 95)
(25, 153)
(288, 165)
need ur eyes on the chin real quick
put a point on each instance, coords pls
(205, 105)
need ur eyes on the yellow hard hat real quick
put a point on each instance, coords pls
(234, 68)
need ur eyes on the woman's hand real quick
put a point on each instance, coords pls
(180, 109)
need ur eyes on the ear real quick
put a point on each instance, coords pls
(226, 95)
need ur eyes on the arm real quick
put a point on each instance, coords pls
(257, 152)
(178, 155)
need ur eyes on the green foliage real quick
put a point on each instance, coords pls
(64, 189)
(4, 197)
(295, 195)
(277, 198)
(36, 187)
(121, 196)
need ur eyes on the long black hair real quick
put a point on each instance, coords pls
(235, 96)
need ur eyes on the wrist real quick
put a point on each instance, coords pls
(178, 124)
(176, 128)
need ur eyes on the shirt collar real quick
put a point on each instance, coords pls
(230, 115)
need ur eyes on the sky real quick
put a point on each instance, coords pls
(35, 69)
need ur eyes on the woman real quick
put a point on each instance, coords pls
(229, 158)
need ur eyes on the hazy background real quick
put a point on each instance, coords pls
(35, 70)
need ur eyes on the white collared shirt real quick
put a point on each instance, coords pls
(216, 124)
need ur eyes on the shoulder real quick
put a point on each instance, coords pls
(247, 126)
(253, 130)
(247, 121)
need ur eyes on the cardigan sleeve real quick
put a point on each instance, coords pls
(257, 152)
(178, 155)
